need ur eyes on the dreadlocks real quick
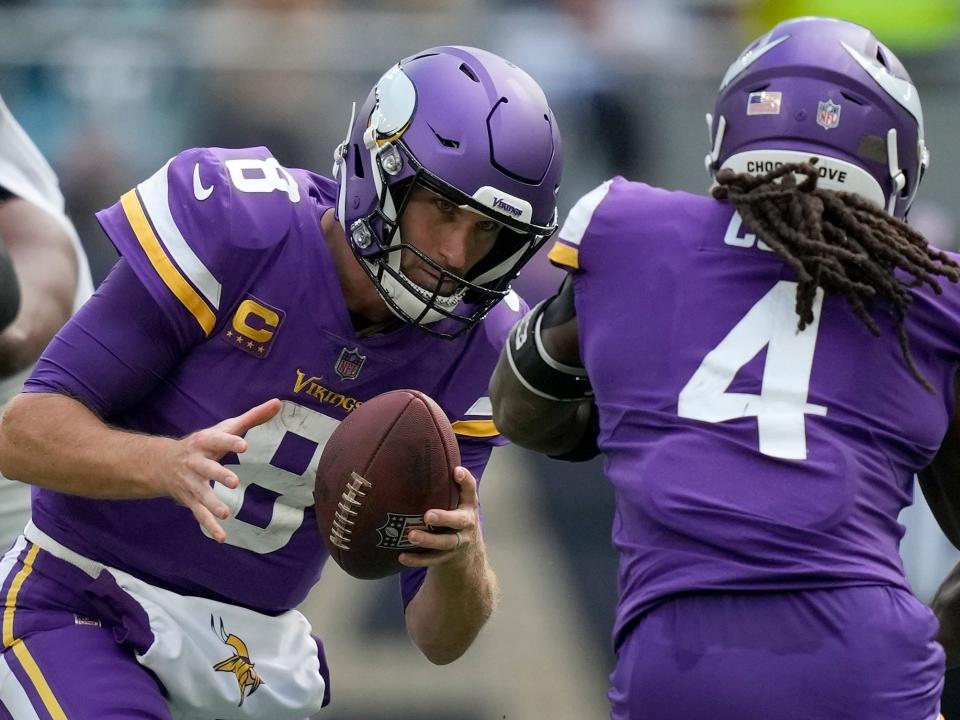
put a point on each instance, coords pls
(839, 242)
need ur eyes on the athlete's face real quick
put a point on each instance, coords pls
(454, 238)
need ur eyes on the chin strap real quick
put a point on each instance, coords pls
(896, 174)
(710, 161)
(339, 157)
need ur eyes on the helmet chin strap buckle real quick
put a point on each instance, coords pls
(361, 234)
(339, 155)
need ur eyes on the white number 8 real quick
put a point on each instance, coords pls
(270, 176)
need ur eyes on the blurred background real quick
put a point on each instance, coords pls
(110, 90)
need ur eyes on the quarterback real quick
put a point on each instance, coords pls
(173, 429)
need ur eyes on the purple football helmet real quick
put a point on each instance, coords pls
(473, 128)
(828, 88)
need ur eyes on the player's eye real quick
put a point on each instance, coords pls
(488, 226)
(444, 205)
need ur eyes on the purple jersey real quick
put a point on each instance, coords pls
(228, 243)
(745, 455)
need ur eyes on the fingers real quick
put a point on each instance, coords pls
(251, 418)
(196, 466)
(461, 525)
(208, 469)
(215, 443)
(468, 488)
(444, 547)
(209, 523)
(466, 508)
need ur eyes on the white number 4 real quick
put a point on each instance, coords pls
(782, 405)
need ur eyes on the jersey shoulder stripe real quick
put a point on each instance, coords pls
(155, 193)
(566, 250)
(156, 252)
(478, 422)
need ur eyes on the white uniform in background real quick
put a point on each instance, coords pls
(26, 173)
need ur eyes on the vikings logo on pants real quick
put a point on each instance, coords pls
(239, 664)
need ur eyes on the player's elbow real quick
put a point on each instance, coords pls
(443, 649)
(505, 420)
(9, 290)
(9, 422)
(440, 654)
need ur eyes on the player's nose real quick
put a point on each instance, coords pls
(455, 244)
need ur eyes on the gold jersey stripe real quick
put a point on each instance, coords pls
(167, 271)
(475, 428)
(50, 703)
(564, 255)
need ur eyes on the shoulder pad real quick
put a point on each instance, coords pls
(617, 208)
(565, 251)
(205, 218)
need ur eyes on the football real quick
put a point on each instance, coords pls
(387, 463)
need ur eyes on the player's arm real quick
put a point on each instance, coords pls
(42, 257)
(105, 358)
(946, 606)
(940, 480)
(540, 392)
(9, 288)
(460, 591)
(939, 483)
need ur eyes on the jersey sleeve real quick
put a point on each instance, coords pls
(107, 357)
(198, 229)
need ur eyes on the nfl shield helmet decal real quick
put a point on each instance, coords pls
(393, 533)
(349, 363)
(828, 114)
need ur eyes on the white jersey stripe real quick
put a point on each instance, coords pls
(581, 214)
(13, 698)
(153, 193)
(481, 407)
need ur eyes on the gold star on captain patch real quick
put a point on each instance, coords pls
(250, 343)
(229, 333)
(261, 349)
(239, 340)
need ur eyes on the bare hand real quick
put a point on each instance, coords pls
(194, 462)
(464, 521)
